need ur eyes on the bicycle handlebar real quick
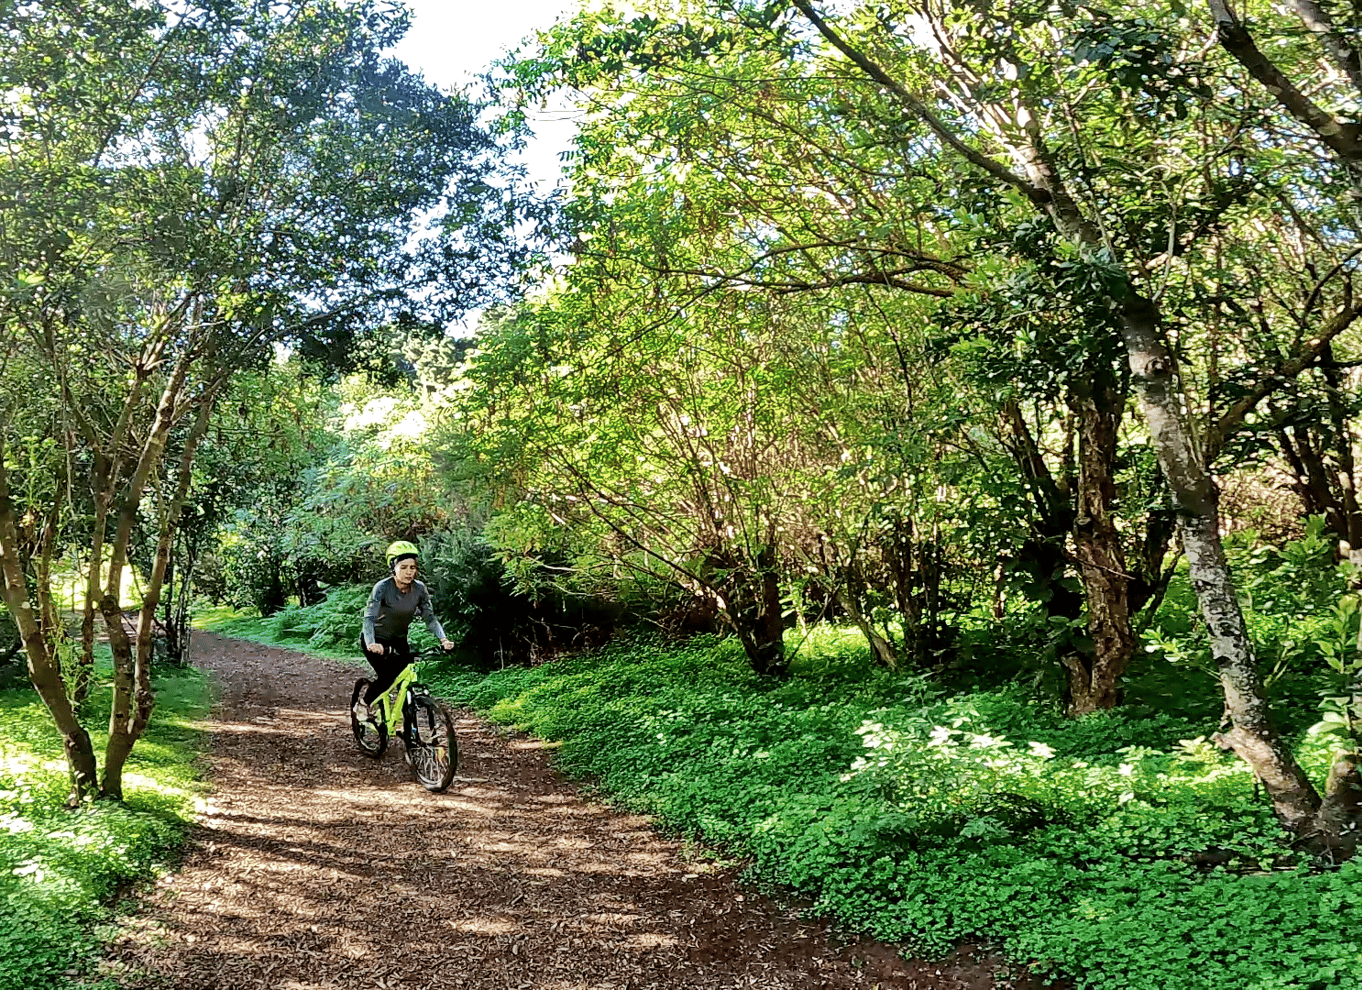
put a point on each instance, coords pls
(430, 652)
(424, 654)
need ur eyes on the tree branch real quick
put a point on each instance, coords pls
(921, 110)
(1317, 19)
(1286, 371)
(1343, 138)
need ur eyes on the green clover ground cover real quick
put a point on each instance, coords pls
(60, 869)
(1122, 850)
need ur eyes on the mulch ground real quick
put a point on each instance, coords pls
(317, 867)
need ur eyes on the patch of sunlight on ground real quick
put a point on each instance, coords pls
(483, 926)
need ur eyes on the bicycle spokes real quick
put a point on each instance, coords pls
(431, 747)
(366, 721)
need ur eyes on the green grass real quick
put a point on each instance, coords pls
(60, 869)
(1121, 850)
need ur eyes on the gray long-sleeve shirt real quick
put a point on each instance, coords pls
(390, 611)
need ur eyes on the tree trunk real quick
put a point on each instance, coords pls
(106, 466)
(1044, 555)
(43, 666)
(134, 699)
(1341, 811)
(179, 582)
(1252, 736)
(1323, 468)
(1350, 526)
(754, 611)
(905, 556)
(1018, 129)
(914, 562)
(1097, 405)
(880, 648)
(85, 676)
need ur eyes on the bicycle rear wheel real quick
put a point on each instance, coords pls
(370, 732)
(432, 749)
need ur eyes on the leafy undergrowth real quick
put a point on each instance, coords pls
(1122, 850)
(328, 628)
(60, 869)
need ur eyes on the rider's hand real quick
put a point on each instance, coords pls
(446, 645)
(375, 648)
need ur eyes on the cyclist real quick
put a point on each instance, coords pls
(395, 601)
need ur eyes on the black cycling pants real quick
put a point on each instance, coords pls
(395, 657)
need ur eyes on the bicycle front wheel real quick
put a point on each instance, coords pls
(431, 747)
(371, 732)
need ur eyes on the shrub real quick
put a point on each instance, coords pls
(332, 624)
(494, 621)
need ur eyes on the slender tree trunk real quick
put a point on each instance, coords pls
(1341, 809)
(1044, 555)
(1252, 735)
(120, 744)
(133, 697)
(99, 491)
(1349, 525)
(905, 558)
(82, 678)
(753, 610)
(848, 593)
(50, 621)
(105, 470)
(1326, 487)
(914, 563)
(84, 675)
(44, 668)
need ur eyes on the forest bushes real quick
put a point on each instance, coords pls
(948, 322)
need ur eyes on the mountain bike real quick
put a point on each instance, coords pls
(427, 730)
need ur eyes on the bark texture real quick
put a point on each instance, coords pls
(1252, 736)
(44, 665)
(1097, 404)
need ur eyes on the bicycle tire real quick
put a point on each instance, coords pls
(432, 749)
(371, 734)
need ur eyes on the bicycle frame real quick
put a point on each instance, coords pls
(390, 702)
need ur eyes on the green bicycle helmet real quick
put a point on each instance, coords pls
(400, 549)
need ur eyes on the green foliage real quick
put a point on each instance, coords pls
(60, 868)
(184, 186)
(1302, 618)
(330, 625)
(363, 477)
(474, 598)
(1122, 849)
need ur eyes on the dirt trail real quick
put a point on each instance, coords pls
(317, 867)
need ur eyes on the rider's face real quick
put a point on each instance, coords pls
(405, 572)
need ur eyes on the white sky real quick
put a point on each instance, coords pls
(451, 41)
